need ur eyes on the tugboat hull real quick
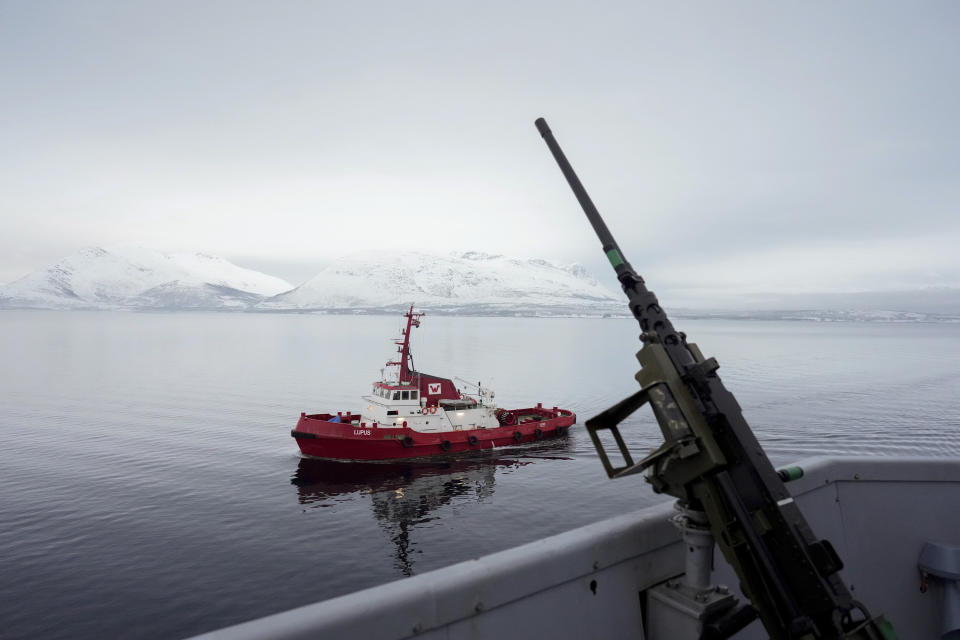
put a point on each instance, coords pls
(348, 439)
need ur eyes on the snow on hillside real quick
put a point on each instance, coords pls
(466, 283)
(140, 277)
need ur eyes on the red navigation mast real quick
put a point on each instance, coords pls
(403, 346)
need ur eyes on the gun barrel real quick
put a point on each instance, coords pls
(643, 303)
(712, 460)
(610, 246)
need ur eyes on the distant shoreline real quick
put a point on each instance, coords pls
(816, 316)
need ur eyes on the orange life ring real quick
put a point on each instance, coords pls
(433, 409)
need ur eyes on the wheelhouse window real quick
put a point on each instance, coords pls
(413, 395)
(404, 395)
(396, 395)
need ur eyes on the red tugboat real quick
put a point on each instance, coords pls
(416, 415)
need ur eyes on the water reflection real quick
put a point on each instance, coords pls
(404, 495)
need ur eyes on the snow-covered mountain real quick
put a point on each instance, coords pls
(456, 283)
(141, 278)
(137, 277)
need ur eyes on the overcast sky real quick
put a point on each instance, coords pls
(751, 146)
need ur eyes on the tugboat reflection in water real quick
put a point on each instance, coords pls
(403, 494)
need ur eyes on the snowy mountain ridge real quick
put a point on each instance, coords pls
(138, 277)
(466, 283)
(469, 282)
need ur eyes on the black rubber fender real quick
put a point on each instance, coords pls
(407, 441)
(473, 440)
(517, 436)
(445, 445)
(538, 434)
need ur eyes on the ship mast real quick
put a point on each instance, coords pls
(403, 346)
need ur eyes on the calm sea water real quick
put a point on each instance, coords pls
(149, 486)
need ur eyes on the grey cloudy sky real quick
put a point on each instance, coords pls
(750, 146)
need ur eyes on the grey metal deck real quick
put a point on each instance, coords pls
(588, 583)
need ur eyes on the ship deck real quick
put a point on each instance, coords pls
(591, 582)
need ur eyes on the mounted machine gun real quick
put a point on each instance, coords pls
(725, 484)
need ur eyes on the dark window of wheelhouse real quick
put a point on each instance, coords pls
(396, 395)
(404, 395)
(413, 395)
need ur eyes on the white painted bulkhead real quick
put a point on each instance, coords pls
(390, 406)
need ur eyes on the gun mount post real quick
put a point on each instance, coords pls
(695, 530)
(712, 462)
(692, 607)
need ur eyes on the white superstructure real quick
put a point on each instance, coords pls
(398, 405)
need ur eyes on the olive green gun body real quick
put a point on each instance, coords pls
(711, 460)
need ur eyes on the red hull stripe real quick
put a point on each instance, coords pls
(319, 438)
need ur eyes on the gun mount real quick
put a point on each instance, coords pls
(712, 462)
